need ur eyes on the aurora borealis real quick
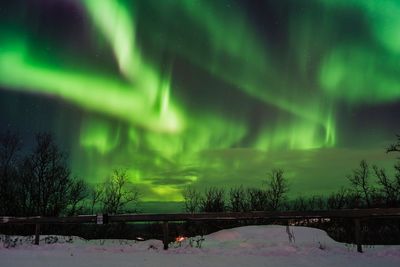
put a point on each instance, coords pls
(204, 92)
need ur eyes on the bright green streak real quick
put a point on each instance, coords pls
(98, 135)
(99, 94)
(239, 58)
(365, 72)
(116, 24)
(358, 75)
(118, 27)
(305, 132)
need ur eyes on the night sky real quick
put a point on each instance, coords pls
(205, 93)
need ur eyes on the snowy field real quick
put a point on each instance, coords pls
(245, 246)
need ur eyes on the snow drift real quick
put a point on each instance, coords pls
(270, 245)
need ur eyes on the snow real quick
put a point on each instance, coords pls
(244, 246)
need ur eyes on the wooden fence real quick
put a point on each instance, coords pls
(356, 215)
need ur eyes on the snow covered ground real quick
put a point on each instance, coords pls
(270, 245)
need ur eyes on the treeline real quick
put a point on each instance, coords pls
(369, 187)
(39, 182)
(239, 199)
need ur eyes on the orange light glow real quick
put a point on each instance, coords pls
(180, 238)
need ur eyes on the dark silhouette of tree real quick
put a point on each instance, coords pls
(118, 192)
(389, 188)
(10, 146)
(300, 204)
(191, 199)
(360, 182)
(238, 201)
(95, 197)
(257, 199)
(396, 148)
(213, 200)
(78, 192)
(337, 200)
(45, 185)
(277, 187)
(317, 203)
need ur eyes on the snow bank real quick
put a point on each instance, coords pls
(269, 245)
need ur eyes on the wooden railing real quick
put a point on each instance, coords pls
(354, 214)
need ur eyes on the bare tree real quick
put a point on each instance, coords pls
(300, 203)
(118, 193)
(95, 197)
(390, 188)
(337, 200)
(45, 179)
(191, 199)
(238, 199)
(257, 199)
(78, 192)
(394, 147)
(45, 186)
(277, 187)
(317, 203)
(213, 200)
(10, 146)
(360, 182)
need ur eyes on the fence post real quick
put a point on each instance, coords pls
(37, 234)
(165, 232)
(358, 234)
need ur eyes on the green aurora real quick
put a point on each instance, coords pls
(206, 93)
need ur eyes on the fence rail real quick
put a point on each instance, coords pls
(352, 214)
